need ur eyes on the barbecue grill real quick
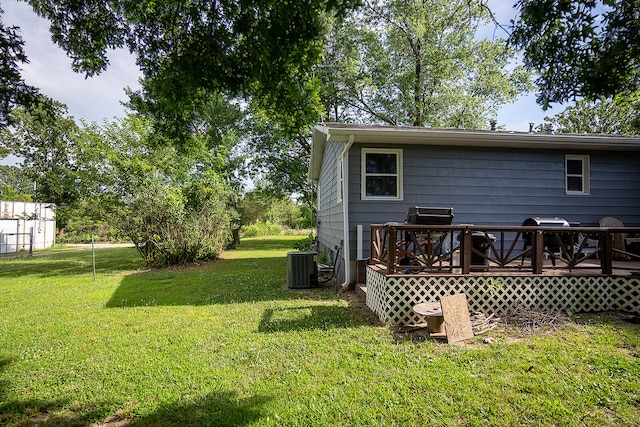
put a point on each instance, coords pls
(429, 216)
(549, 240)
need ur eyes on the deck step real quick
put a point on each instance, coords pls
(361, 291)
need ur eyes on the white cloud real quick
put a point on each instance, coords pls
(49, 69)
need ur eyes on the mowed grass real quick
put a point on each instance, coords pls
(224, 343)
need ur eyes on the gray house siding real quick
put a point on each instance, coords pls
(499, 186)
(330, 225)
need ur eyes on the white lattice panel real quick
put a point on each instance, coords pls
(625, 294)
(393, 298)
(376, 294)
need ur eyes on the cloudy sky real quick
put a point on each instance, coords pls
(99, 98)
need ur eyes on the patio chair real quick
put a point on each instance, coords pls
(618, 238)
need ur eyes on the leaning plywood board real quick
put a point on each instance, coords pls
(457, 322)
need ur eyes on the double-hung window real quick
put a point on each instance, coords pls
(576, 174)
(381, 174)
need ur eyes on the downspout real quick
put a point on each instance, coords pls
(346, 253)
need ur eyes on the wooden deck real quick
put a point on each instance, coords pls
(501, 269)
(454, 249)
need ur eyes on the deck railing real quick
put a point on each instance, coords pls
(413, 249)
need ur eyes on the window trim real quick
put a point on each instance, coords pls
(399, 175)
(585, 175)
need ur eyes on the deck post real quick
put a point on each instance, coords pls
(537, 252)
(373, 235)
(465, 250)
(391, 236)
(607, 253)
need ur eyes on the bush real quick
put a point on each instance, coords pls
(306, 244)
(76, 232)
(266, 228)
(172, 226)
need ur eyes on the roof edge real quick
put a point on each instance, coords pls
(460, 137)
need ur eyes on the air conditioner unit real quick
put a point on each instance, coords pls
(302, 270)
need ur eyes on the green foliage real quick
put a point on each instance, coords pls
(326, 256)
(78, 231)
(263, 206)
(580, 49)
(168, 227)
(602, 116)
(280, 159)
(266, 228)
(15, 92)
(254, 206)
(185, 50)
(306, 244)
(418, 63)
(174, 206)
(14, 185)
(46, 140)
(10, 193)
(89, 220)
(307, 217)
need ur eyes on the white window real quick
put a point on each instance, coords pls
(339, 180)
(381, 174)
(576, 169)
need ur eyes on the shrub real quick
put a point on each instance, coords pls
(82, 232)
(306, 244)
(171, 225)
(266, 228)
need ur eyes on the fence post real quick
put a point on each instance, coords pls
(31, 241)
(93, 259)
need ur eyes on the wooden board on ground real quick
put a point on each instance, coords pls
(457, 322)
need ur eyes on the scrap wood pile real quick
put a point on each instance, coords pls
(529, 320)
(524, 320)
(481, 323)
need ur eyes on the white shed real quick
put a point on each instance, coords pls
(20, 221)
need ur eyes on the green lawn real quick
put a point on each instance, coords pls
(224, 344)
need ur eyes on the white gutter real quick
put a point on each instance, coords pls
(469, 138)
(345, 210)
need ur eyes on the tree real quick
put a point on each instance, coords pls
(14, 185)
(603, 116)
(418, 63)
(46, 141)
(14, 92)
(580, 48)
(281, 159)
(172, 204)
(260, 50)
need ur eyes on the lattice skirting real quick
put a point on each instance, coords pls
(393, 298)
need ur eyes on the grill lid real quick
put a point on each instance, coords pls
(545, 222)
(429, 215)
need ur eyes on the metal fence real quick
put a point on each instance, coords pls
(11, 243)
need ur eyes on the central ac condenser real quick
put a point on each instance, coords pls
(302, 270)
